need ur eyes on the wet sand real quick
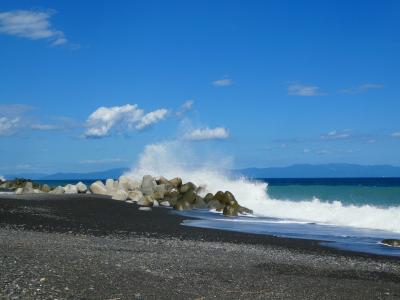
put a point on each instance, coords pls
(92, 247)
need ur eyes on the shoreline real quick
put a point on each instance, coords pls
(126, 253)
(145, 224)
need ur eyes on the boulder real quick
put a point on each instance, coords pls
(98, 187)
(231, 210)
(148, 185)
(88, 192)
(45, 188)
(199, 203)
(165, 203)
(146, 201)
(244, 210)
(171, 197)
(391, 242)
(159, 192)
(135, 195)
(162, 180)
(208, 197)
(82, 188)
(58, 190)
(110, 186)
(121, 195)
(28, 188)
(155, 203)
(182, 205)
(215, 204)
(189, 197)
(37, 191)
(18, 191)
(176, 182)
(226, 198)
(145, 208)
(128, 184)
(187, 187)
(71, 189)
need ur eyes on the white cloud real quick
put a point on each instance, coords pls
(396, 135)
(185, 107)
(362, 88)
(120, 118)
(2, 178)
(297, 89)
(207, 134)
(322, 152)
(33, 25)
(336, 135)
(152, 118)
(9, 126)
(222, 82)
(44, 127)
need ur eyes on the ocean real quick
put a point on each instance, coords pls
(346, 213)
(352, 214)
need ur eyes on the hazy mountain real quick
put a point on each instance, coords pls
(112, 173)
(322, 171)
(294, 171)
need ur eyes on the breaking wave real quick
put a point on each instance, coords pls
(177, 158)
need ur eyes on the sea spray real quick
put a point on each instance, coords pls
(177, 158)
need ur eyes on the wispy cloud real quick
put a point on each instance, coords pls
(185, 107)
(336, 135)
(44, 127)
(297, 89)
(34, 25)
(152, 118)
(396, 135)
(18, 118)
(362, 88)
(8, 126)
(103, 161)
(222, 82)
(105, 120)
(207, 134)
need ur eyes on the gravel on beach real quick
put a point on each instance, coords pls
(91, 247)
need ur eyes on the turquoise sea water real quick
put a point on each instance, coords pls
(381, 192)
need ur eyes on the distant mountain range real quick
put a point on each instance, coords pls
(322, 171)
(294, 171)
(112, 173)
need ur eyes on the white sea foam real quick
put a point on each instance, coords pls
(175, 158)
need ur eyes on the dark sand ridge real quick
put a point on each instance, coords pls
(92, 247)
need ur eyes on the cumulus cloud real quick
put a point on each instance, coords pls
(104, 120)
(222, 82)
(336, 135)
(297, 89)
(362, 88)
(207, 134)
(34, 25)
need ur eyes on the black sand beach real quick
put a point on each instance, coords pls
(92, 247)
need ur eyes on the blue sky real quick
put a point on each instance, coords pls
(271, 83)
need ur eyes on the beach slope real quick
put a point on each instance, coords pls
(92, 247)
